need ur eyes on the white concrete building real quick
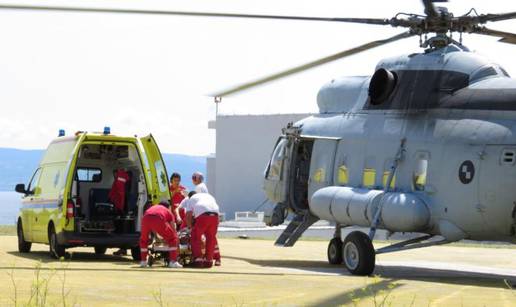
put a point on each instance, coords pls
(243, 148)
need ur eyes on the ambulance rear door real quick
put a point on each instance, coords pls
(157, 176)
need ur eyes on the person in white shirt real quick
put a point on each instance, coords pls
(198, 181)
(204, 209)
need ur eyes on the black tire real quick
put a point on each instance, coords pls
(359, 254)
(23, 246)
(335, 251)
(135, 253)
(150, 260)
(56, 250)
(100, 250)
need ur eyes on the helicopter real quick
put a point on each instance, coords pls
(427, 144)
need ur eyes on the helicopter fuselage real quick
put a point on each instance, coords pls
(455, 114)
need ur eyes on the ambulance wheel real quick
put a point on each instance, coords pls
(135, 253)
(100, 250)
(23, 246)
(359, 254)
(335, 251)
(56, 250)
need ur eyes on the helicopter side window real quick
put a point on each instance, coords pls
(369, 177)
(419, 175)
(275, 167)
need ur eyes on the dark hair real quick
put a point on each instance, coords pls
(175, 175)
(165, 204)
(192, 193)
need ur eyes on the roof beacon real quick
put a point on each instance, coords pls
(61, 132)
(107, 130)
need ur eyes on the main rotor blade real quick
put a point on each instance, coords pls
(185, 13)
(506, 37)
(312, 64)
(496, 17)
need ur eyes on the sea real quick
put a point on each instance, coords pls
(9, 207)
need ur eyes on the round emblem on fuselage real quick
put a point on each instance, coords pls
(466, 172)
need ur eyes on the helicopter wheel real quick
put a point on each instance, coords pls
(335, 251)
(359, 254)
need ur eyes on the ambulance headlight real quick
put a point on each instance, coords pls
(107, 130)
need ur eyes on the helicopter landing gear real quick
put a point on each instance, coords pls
(335, 251)
(358, 253)
(335, 247)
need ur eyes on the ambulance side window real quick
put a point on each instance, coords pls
(86, 174)
(31, 189)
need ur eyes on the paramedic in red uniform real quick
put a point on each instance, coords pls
(178, 193)
(117, 192)
(159, 219)
(203, 209)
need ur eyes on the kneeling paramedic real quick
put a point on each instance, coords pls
(159, 219)
(203, 208)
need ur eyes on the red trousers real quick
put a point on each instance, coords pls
(204, 225)
(156, 224)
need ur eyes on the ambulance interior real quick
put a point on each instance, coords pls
(95, 172)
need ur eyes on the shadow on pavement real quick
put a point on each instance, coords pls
(377, 292)
(455, 277)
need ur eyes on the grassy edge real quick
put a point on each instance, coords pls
(7, 230)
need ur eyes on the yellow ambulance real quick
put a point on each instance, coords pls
(66, 202)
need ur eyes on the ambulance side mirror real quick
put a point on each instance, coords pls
(20, 188)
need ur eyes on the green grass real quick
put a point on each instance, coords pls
(7, 230)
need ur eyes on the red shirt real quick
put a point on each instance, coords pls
(160, 211)
(177, 196)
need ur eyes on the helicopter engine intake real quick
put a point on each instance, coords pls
(401, 212)
(382, 85)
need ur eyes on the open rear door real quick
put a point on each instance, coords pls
(157, 173)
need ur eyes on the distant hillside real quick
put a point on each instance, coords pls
(17, 166)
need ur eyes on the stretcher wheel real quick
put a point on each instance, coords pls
(150, 260)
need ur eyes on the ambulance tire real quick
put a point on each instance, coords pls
(135, 253)
(23, 246)
(100, 250)
(56, 250)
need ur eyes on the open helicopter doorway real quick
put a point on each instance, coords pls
(301, 173)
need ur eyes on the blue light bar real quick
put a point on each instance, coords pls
(61, 133)
(107, 130)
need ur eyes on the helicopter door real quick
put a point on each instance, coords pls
(321, 165)
(496, 193)
(276, 174)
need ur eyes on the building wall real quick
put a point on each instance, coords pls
(244, 145)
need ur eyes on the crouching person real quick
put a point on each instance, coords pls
(159, 219)
(204, 211)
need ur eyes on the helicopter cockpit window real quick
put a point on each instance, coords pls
(482, 74)
(419, 175)
(276, 163)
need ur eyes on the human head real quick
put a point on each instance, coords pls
(165, 204)
(197, 178)
(192, 193)
(175, 180)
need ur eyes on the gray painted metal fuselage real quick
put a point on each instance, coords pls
(457, 111)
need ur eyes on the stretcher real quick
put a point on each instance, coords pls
(159, 249)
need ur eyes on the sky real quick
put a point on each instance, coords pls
(142, 74)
